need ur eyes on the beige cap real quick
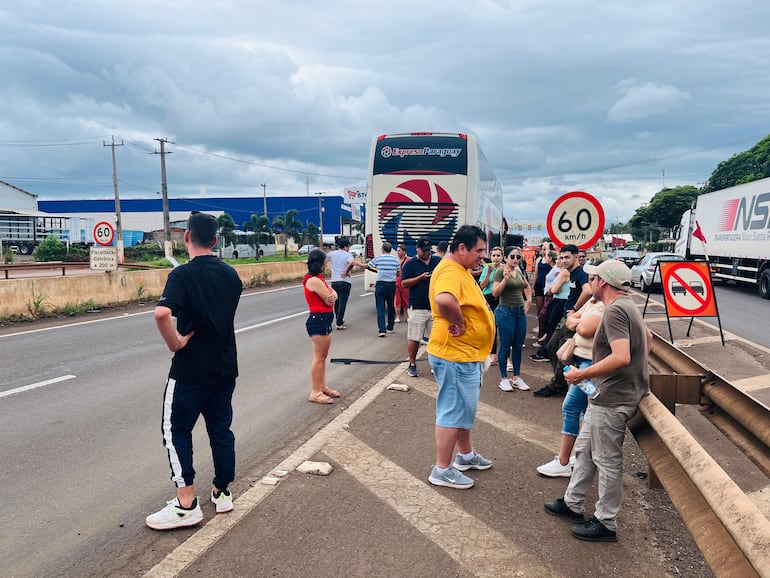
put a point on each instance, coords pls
(616, 273)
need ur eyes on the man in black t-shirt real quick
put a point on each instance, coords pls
(579, 293)
(203, 295)
(415, 276)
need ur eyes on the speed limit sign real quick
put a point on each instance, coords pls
(104, 233)
(576, 218)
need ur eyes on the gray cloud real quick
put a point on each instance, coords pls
(602, 97)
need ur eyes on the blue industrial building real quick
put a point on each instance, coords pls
(147, 214)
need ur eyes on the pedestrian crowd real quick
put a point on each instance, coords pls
(472, 311)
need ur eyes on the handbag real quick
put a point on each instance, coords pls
(566, 351)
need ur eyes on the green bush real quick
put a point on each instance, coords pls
(50, 249)
(8, 255)
(148, 252)
(77, 255)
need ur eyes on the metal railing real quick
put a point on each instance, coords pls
(730, 531)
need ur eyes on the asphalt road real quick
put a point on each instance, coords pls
(83, 461)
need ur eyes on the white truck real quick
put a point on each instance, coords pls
(735, 224)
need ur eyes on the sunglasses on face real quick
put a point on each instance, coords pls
(514, 257)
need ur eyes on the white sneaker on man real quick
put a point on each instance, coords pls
(554, 469)
(222, 500)
(174, 516)
(505, 384)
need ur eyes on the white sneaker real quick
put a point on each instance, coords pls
(397, 320)
(174, 516)
(223, 502)
(509, 367)
(505, 384)
(554, 469)
(519, 383)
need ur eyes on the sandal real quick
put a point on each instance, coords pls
(331, 392)
(320, 397)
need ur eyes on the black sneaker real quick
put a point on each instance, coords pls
(560, 508)
(538, 357)
(412, 370)
(594, 531)
(545, 392)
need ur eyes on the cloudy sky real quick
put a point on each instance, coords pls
(614, 98)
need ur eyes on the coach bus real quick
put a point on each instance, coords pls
(240, 248)
(429, 183)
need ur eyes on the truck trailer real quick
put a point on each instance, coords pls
(22, 231)
(731, 229)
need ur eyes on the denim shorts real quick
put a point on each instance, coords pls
(459, 385)
(319, 323)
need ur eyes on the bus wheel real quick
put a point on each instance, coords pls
(25, 249)
(235, 254)
(764, 284)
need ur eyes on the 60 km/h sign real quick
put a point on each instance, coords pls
(576, 218)
(104, 233)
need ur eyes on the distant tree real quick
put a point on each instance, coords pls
(260, 225)
(310, 234)
(360, 228)
(226, 228)
(662, 213)
(289, 226)
(50, 249)
(744, 167)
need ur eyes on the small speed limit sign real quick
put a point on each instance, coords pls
(576, 218)
(104, 233)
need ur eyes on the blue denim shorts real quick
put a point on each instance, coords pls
(319, 323)
(459, 386)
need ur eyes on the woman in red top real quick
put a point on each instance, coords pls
(320, 300)
(401, 297)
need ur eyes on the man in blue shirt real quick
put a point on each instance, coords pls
(415, 276)
(386, 265)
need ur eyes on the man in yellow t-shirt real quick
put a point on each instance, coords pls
(461, 339)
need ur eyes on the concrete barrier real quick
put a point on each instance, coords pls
(20, 297)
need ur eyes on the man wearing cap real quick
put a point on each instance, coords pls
(415, 276)
(619, 371)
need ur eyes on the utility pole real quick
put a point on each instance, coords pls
(164, 191)
(264, 198)
(118, 225)
(321, 219)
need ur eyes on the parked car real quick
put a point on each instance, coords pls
(629, 257)
(642, 273)
(357, 251)
(305, 249)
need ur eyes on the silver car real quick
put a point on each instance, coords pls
(357, 251)
(642, 272)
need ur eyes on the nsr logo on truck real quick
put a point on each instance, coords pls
(751, 215)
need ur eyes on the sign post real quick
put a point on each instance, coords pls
(576, 218)
(104, 258)
(688, 292)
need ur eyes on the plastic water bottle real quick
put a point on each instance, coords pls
(586, 385)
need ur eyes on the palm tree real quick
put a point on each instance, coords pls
(310, 234)
(226, 228)
(360, 228)
(260, 225)
(289, 226)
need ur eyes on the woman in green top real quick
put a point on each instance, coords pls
(486, 283)
(515, 295)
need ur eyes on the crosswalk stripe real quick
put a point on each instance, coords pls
(479, 549)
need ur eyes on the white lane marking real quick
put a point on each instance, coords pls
(271, 322)
(36, 385)
(75, 324)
